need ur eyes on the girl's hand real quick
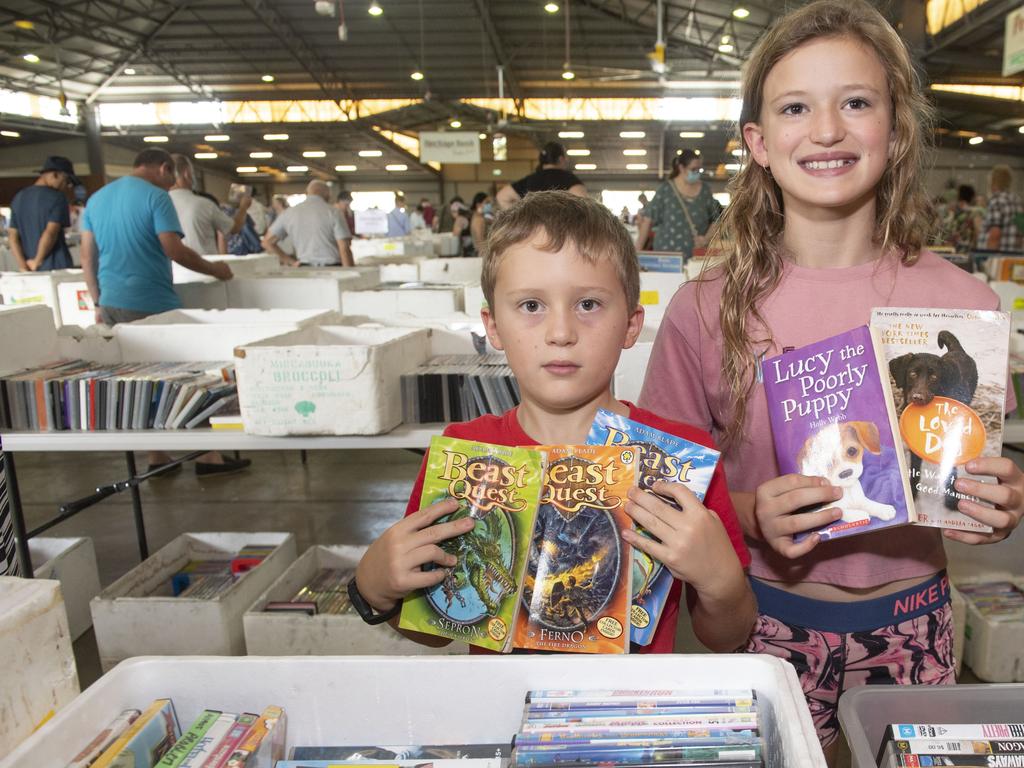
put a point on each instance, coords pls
(1006, 495)
(694, 545)
(777, 505)
(392, 566)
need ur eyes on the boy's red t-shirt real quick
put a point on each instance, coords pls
(505, 430)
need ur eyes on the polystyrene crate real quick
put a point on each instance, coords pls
(445, 244)
(416, 700)
(332, 380)
(72, 562)
(473, 298)
(269, 633)
(458, 334)
(37, 288)
(39, 674)
(866, 711)
(130, 621)
(994, 650)
(203, 293)
(29, 337)
(300, 288)
(657, 290)
(452, 271)
(400, 273)
(632, 366)
(241, 266)
(416, 300)
(75, 304)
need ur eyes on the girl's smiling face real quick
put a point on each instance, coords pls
(825, 127)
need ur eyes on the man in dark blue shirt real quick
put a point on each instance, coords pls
(39, 215)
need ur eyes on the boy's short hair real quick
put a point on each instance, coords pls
(564, 217)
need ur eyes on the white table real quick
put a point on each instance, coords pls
(195, 441)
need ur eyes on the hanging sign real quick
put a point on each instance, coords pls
(449, 147)
(1013, 48)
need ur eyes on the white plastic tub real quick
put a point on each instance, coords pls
(72, 562)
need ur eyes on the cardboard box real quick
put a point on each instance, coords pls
(29, 337)
(37, 288)
(451, 271)
(72, 562)
(131, 621)
(39, 667)
(657, 290)
(416, 300)
(434, 700)
(994, 650)
(632, 367)
(293, 634)
(241, 266)
(204, 293)
(331, 380)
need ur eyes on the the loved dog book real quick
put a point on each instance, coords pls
(948, 371)
(498, 486)
(832, 416)
(662, 457)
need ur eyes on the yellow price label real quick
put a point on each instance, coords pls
(650, 298)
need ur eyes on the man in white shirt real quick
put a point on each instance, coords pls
(200, 217)
(317, 230)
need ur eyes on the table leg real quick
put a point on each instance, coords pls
(17, 517)
(140, 522)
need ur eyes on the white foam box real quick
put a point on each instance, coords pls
(657, 290)
(632, 367)
(37, 288)
(445, 244)
(994, 650)
(72, 562)
(327, 380)
(300, 288)
(249, 265)
(395, 700)
(39, 674)
(473, 298)
(96, 344)
(387, 248)
(1011, 295)
(76, 304)
(129, 620)
(451, 271)
(29, 337)
(415, 300)
(408, 272)
(959, 608)
(452, 335)
(203, 293)
(270, 633)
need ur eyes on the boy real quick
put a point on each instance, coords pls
(562, 285)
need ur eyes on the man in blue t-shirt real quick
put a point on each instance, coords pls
(39, 215)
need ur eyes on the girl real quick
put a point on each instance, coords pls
(828, 219)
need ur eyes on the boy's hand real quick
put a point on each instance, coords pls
(776, 507)
(694, 544)
(1007, 496)
(391, 567)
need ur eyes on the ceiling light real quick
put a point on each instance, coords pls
(375, 9)
(482, 137)
(205, 155)
(260, 155)
(314, 153)
(298, 168)
(740, 13)
(570, 134)
(396, 167)
(551, 7)
(1021, 129)
(10, 134)
(975, 140)
(568, 74)
(725, 48)
(31, 58)
(732, 166)
(246, 169)
(737, 153)
(370, 153)
(155, 139)
(585, 167)
(129, 71)
(344, 168)
(632, 135)
(634, 152)
(455, 123)
(636, 167)
(496, 172)
(275, 137)
(691, 134)
(578, 152)
(267, 78)
(726, 39)
(417, 75)
(217, 137)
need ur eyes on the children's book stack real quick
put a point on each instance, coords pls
(458, 388)
(995, 600)
(207, 579)
(326, 593)
(921, 745)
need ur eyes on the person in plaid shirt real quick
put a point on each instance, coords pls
(1004, 210)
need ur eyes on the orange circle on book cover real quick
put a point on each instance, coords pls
(941, 428)
(610, 627)
(496, 629)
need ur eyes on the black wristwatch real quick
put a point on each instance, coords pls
(365, 610)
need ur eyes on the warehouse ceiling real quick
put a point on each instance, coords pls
(107, 51)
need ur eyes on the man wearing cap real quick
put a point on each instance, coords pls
(39, 215)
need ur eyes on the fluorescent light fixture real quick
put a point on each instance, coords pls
(691, 134)
(635, 152)
(396, 167)
(568, 74)
(585, 167)
(31, 58)
(129, 70)
(10, 134)
(275, 137)
(344, 168)
(455, 123)
(496, 172)
(632, 134)
(578, 152)
(314, 153)
(267, 78)
(737, 153)
(374, 9)
(975, 140)
(570, 134)
(732, 166)
(551, 7)
(260, 155)
(417, 75)
(298, 168)
(246, 169)
(740, 12)
(217, 137)
(726, 48)
(370, 153)
(155, 139)
(205, 155)
(482, 136)
(636, 166)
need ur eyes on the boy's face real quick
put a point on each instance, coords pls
(562, 322)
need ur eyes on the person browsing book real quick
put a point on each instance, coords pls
(828, 220)
(561, 280)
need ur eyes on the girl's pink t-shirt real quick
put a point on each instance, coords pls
(684, 383)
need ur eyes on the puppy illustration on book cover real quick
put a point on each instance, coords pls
(832, 416)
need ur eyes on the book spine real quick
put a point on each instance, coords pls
(882, 365)
(253, 740)
(155, 710)
(183, 746)
(958, 746)
(234, 737)
(104, 739)
(982, 731)
(593, 698)
(209, 742)
(983, 761)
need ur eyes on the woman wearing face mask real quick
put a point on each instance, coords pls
(682, 210)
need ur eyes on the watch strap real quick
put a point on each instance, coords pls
(365, 610)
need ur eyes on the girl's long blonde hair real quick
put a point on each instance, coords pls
(749, 233)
